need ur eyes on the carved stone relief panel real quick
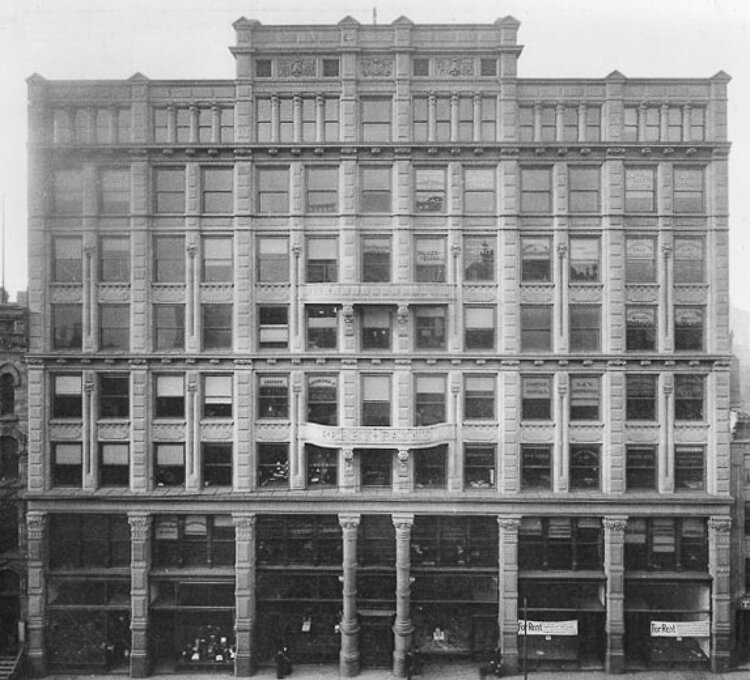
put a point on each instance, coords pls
(456, 67)
(299, 67)
(376, 66)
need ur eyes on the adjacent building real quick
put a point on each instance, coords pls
(377, 346)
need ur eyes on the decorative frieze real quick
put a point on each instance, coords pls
(376, 66)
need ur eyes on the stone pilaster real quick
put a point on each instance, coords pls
(140, 560)
(36, 593)
(719, 566)
(244, 593)
(508, 595)
(349, 625)
(614, 568)
(402, 627)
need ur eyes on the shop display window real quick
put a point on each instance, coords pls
(666, 544)
(376, 544)
(562, 543)
(454, 542)
(193, 541)
(88, 541)
(298, 540)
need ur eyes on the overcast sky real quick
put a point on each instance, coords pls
(72, 39)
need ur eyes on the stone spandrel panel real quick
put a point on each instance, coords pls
(510, 387)
(139, 454)
(720, 429)
(35, 377)
(720, 292)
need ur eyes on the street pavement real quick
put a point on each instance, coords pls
(454, 671)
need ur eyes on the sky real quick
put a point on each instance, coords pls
(166, 39)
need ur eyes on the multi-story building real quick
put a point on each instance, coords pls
(378, 346)
(13, 411)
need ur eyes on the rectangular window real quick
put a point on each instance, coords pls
(310, 125)
(536, 397)
(273, 465)
(226, 125)
(67, 400)
(442, 119)
(114, 191)
(286, 120)
(420, 119)
(479, 328)
(536, 259)
(262, 68)
(264, 125)
(217, 396)
(114, 325)
(161, 126)
(479, 397)
(525, 123)
(169, 190)
(376, 120)
(114, 396)
(376, 400)
(536, 467)
(430, 467)
(67, 326)
(583, 189)
(430, 327)
(331, 119)
(183, 125)
(430, 399)
(688, 329)
(114, 259)
(169, 465)
(67, 469)
(169, 259)
(322, 466)
(376, 328)
(217, 326)
(322, 260)
(205, 125)
(430, 260)
(652, 123)
(273, 191)
(689, 188)
(688, 397)
(593, 123)
(689, 468)
(640, 260)
(322, 327)
(584, 259)
(218, 264)
(549, 123)
(585, 328)
(697, 124)
(536, 328)
(479, 258)
(217, 464)
(689, 261)
(640, 328)
(273, 259)
(273, 396)
(376, 467)
(273, 327)
(584, 397)
(67, 192)
(322, 189)
(322, 399)
(430, 189)
(570, 124)
(488, 67)
(170, 396)
(420, 67)
(331, 68)
(465, 119)
(488, 118)
(479, 466)
(114, 464)
(67, 262)
(375, 189)
(169, 327)
(640, 190)
(479, 190)
(536, 190)
(584, 467)
(640, 397)
(640, 468)
(630, 124)
(376, 259)
(674, 124)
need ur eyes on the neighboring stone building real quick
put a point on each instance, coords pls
(368, 347)
(13, 413)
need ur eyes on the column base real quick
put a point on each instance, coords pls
(615, 664)
(721, 654)
(348, 666)
(511, 663)
(37, 665)
(244, 666)
(138, 665)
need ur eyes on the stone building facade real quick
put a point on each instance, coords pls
(376, 346)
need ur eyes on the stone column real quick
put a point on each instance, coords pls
(140, 561)
(402, 627)
(37, 595)
(719, 566)
(508, 595)
(349, 625)
(244, 593)
(614, 568)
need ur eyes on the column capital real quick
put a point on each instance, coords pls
(508, 523)
(244, 520)
(403, 520)
(349, 521)
(35, 523)
(140, 523)
(720, 524)
(615, 525)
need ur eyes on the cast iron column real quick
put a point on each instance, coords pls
(244, 593)
(614, 568)
(349, 625)
(140, 559)
(402, 627)
(37, 595)
(508, 595)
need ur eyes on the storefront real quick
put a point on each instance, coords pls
(298, 587)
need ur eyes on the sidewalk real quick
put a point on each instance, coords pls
(455, 671)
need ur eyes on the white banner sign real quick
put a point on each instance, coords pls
(548, 627)
(680, 628)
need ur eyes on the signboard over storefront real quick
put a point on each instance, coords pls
(548, 628)
(679, 629)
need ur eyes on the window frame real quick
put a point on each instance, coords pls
(430, 474)
(584, 338)
(376, 412)
(114, 474)
(479, 404)
(536, 472)
(272, 189)
(537, 407)
(689, 397)
(480, 466)
(635, 474)
(642, 337)
(430, 409)
(167, 403)
(324, 411)
(162, 330)
(640, 406)
(584, 405)
(375, 195)
(214, 464)
(216, 400)
(113, 404)
(544, 332)
(273, 396)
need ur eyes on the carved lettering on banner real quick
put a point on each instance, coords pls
(376, 67)
(296, 68)
(455, 67)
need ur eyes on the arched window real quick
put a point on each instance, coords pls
(7, 395)
(8, 459)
